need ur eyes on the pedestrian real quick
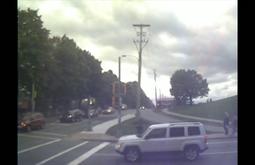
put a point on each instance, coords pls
(234, 125)
(226, 123)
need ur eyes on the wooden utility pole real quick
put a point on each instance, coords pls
(141, 40)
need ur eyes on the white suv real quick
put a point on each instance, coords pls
(187, 137)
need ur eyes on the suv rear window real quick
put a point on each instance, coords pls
(176, 132)
(193, 131)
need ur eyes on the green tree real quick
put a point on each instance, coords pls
(188, 85)
(33, 48)
(131, 96)
(105, 93)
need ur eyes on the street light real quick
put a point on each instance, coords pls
(119, 94)
(138, 88)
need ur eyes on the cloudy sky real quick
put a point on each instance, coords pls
(184, 34)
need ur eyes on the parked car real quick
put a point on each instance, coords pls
(187, 137)
(72, 116)
(93, 112)
(30, 121)
(109, 110)
(124, 107)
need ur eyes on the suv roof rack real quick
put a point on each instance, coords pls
(185, 123)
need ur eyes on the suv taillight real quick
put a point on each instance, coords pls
(205, 138)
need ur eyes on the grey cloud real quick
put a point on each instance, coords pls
(206, 50)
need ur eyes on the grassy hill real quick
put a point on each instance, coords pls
(212, 110)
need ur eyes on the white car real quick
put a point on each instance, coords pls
(187, 137)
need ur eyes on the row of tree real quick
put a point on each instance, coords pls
(55, 71)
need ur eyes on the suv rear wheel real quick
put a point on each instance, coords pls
(132, 154)
(191, 152)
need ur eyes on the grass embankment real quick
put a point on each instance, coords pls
(212, 110)
(128, 127)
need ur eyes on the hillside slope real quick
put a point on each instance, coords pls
(213, 110)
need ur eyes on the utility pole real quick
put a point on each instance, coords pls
(119, 94)
(141, 34)
(155, 77)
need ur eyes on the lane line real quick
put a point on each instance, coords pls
(61, 153)
(37, 146)
(50, 133)
(88, 154)
(222, 142)
(40, 137)
(215, 153)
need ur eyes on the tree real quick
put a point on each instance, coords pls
(105, 93)
(188, 85)
(131, 96)
(33, 48)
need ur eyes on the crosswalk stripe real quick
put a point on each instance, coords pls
(88, 154)
(34, 147)
(61, 153)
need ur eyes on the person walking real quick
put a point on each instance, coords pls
(234, 125)
(226, 123)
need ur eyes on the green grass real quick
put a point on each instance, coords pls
(128, 127)
(212, 110)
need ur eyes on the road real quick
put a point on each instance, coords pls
(60, 143)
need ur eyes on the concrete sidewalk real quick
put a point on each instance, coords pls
(98, 132)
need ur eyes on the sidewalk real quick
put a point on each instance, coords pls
(98, 132)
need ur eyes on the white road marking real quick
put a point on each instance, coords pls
(34, 136)
(61, 153)
(222, 142)
(216, 153)
(88, 154)
(37, 146)
(50, 133)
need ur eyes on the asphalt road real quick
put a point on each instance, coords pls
(57, 144)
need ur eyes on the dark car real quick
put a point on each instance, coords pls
(108, 110)
(72, 116)
(31, 120)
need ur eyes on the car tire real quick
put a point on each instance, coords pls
(42, 126)
(28, 129)
(191, 153)
(132, 154)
